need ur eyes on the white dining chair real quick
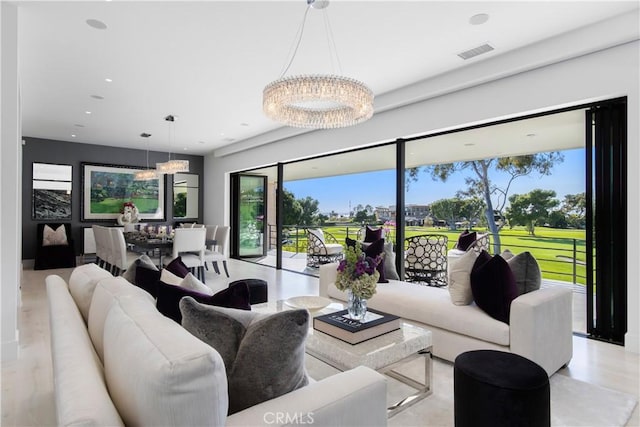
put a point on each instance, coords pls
(189, 244)
(118, 251)
(103, 246)
(219, 254)
(100, 253)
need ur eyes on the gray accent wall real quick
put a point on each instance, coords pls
(36, 150)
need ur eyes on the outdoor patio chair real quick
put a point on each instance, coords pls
(322, 248)
(425, 259)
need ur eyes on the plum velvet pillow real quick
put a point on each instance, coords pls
(147, 279)
(142, 261)
(177, 267)
(371, 234)
(372, 250)
(169, 296)
(493, 286)
(466, 239)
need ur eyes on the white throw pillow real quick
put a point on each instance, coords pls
(54, 238)
(169, 278)
(191, 282)
(460, 278)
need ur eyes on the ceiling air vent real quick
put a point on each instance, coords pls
(476, 51)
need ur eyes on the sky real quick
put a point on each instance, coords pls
(338, 193)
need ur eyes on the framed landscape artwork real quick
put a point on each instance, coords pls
(51, 191)
(105, 188)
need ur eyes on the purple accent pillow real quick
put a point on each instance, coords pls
(372, 250)
(169, 296)
(178, 268)
(466, 239)
(147, 279)
(372, 234)
(493, 286)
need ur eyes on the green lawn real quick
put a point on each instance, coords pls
(552, 248)
(115, 205)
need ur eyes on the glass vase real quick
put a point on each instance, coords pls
(357, 307)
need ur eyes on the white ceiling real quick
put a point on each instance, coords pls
(206, 62)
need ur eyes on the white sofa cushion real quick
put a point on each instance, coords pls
(80, 392)
(103, 296)
(82, 283)
(433, 306)
(157, 372)
(460, 278)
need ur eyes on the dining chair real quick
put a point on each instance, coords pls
(219, 254)
(103, 246)
(189, 245)
(118, 251)
(211, 236)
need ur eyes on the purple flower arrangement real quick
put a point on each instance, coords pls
(357, 273)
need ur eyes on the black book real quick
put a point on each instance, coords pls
(341, 326)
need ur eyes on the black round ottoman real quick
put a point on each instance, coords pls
(496, 388)
(257, 290)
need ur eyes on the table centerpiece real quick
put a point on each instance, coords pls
(357, 274)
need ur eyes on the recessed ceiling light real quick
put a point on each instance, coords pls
(87, 112)
(98, 25)
(221, 133)
(185, 148)
(108, 80)
(78, 125)
(73, 135)
(479, 19)
(97, 97)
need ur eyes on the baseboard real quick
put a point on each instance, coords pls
(632, 342)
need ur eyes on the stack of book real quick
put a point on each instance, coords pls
(341, 326)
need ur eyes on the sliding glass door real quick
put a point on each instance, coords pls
(607, 221)
(249, 219)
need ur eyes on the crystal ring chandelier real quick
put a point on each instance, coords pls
(317, 101)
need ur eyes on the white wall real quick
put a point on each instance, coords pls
(10, 179)
(604, 74)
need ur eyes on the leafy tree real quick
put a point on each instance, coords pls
(180, 205)
(456, 209)
(447, 210)
(479, 183)
(574, 207)
(310, 211)
(531, 208)
(557, 219)
(292, 210)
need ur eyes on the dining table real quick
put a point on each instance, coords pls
(156, 245)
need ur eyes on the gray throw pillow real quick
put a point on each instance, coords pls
(390, 262)
(527, 272)
(141, 261)
(263, 354)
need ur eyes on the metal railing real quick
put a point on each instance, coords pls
(295, 241)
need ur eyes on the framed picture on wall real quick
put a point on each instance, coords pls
(51, 191)
(105, 189)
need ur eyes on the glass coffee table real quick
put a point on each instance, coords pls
(384, 353)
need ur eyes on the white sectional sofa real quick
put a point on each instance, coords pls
(540, 323)
(118, 361)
